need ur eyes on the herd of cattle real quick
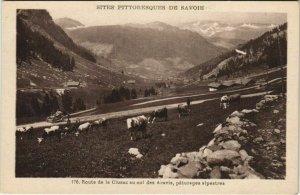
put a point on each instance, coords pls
(135, 125)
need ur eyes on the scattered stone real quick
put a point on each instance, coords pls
(282, 141)
(275, 111)
(199, 125)
(277, 131)
(258, 140)
(163, 134)
(135, 152)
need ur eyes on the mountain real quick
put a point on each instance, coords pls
(150, 50)
(227, 35)
(257, 54)
(48, 57)
(68, 23)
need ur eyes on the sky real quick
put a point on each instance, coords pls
(94, 17)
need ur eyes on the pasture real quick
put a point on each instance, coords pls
(104, 153)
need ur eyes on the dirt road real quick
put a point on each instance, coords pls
(127, 112)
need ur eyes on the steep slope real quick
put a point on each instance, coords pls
(260, 53)
(227, 35)
(152, 50)
(47, 56)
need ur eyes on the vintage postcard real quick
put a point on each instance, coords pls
(150, 97)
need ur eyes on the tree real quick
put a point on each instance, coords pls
(133, 93)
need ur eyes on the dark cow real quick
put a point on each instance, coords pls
(159, 113)
(235, 98)
(136, 125)
(183, 110)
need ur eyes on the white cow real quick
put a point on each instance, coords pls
(224, 103)
(84, 127)
(137, 124)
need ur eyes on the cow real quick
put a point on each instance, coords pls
(158, 113)
(53, 131)
(235, 98)
(224, 102)
(136, 125)
(24, 132)
(84, 127)
(102, 122)
(183, 110)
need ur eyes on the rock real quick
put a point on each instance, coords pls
(282, 141)
(179, 160)
(215, 173)
(226, 169)
(139, 156)
(169, 173)
(212, 142)
(162, 170)
(206, 152)
(163, 134)
(234, 120)
(254, 151)
(231, 145)
(189, 170)
(240, 169)
(258, 140)
(218, 128)
(214, 147)
(275, 111)
(223, 157)
(192, 156)
(283, 158)
(245, 156)
(277, 131)
(200, 124)
(237, 114)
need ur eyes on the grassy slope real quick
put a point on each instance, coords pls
(103, 153)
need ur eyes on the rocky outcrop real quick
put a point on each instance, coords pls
(225, 156)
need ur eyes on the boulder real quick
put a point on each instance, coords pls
(215, 173)
(206, 152)
(231, 145)
(179, 160)
(245, 156)
(190, 170)
(224, 157)
(237, 114)
(234, 120)
(218, 128)
(169, 172)
(214, 147)
(212, 142)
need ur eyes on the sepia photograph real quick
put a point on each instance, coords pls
(101, 93)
